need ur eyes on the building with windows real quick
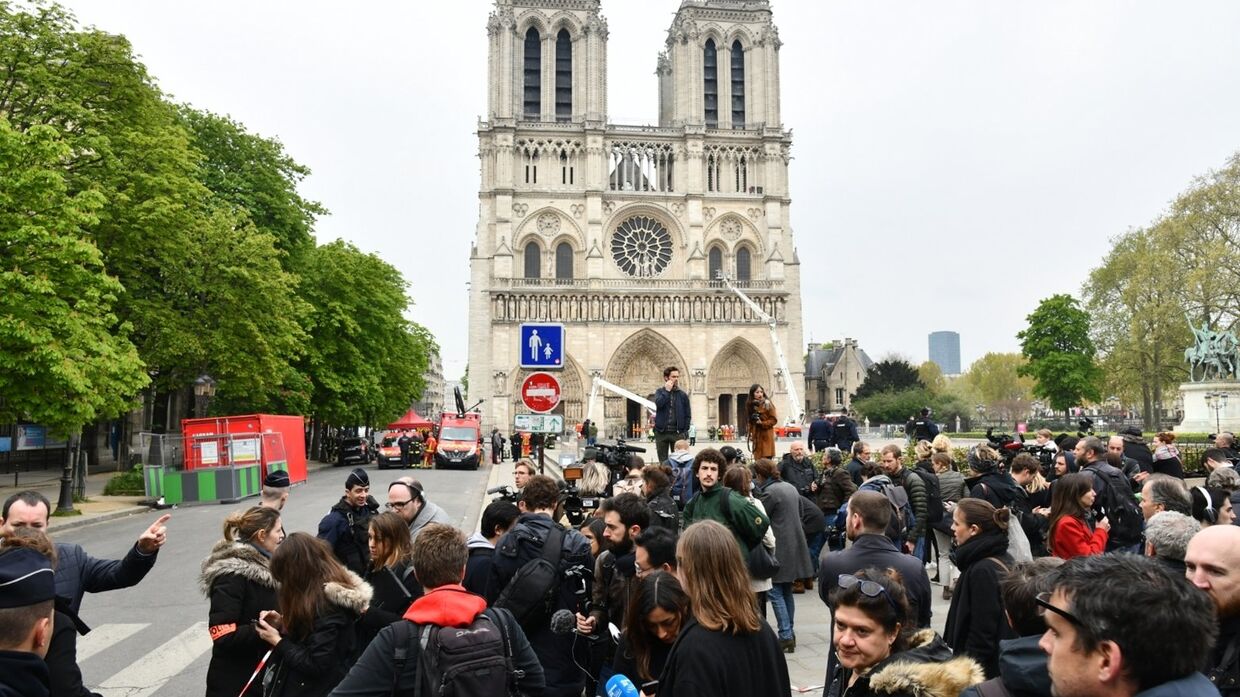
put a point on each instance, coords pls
(833, 373)
(433, 398)
(945, 351)
(620, 232)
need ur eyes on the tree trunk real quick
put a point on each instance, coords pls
(315, 437)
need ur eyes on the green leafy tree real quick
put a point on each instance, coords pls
(65, 358)
(257, 178)
(995, 378)
(931, 375)
(366, 361)
(895, 406)
(889, 375)
(1137, 310)
(1060, 354)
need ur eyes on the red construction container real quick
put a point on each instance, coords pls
(277, 442)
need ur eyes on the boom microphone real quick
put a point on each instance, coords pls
(563, 622)
(497, 489)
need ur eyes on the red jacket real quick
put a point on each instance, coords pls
(1073, 539)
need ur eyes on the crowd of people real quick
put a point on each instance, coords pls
(1068, 581)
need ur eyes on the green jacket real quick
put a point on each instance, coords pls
(746, 522)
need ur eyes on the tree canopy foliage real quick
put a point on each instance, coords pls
(1060, 353)
(889, 375)
(146, 242)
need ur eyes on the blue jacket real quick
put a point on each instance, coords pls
(672, 411)
(78, 573)
(877, 550)
(820, 430)
(1022, 668)
(1195, 685)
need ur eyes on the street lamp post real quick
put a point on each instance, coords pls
(1218, 402)
(204, 390)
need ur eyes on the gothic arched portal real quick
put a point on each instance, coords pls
(637, 365)
(736, 367)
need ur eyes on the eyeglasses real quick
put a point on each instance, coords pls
(1044, 603)
(870, 589)
(640, 571)
(398, 504)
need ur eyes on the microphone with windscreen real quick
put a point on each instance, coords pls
(563, 622)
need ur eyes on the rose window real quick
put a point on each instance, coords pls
(641, 247)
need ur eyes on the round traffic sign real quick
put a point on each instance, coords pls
(540, 392)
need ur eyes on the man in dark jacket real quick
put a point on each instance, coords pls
(797, 469)
(439, 559)
(672, 414)
(78, 573)
(1098, 645)
(833, 489)
(1136, 448)
(845, 432)
(869, 512)
(924, 427)
(346, 527)
(524, 543)
(1212, 564)
(821, 433)
(1022, 663)
(893, 466)
(860, 456)
(497, 519)
(624, 518)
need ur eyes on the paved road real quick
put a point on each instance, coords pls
(152, 639)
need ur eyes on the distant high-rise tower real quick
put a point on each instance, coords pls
(945, 351)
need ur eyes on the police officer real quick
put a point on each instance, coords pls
(845, 432)
(924, 427)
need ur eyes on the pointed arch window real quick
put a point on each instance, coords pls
(532, 80)
(738, 85)
(743, 264)
(710, 80)
(533, 260)
(563, 76)
(714, 264)
(564, 261)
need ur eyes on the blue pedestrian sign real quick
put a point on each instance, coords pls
(542, 346)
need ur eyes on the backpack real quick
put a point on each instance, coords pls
(934, 495)
(902, 518)
(530, 593)
(473, 661)
(1119, 507)
(682, 482)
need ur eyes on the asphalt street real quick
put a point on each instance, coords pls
(151, 640)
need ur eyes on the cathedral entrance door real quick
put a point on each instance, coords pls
(725, 409)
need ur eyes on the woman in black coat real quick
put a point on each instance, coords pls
(312, 637)
(390, 576)
(975, 621)
(236, 578)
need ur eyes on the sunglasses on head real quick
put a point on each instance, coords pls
(868, 588)
(1044, 605)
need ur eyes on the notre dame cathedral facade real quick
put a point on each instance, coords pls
(619, 232)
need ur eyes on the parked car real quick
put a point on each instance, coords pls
(353, 450)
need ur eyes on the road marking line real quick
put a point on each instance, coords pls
(149, 673)
(105, 636)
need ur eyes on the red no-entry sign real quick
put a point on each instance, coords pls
(540, 392)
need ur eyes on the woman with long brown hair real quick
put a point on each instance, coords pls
(653, 617)
(312, 635)
(761, 417)
(1072, 533)
(390, 575)
(236, 578)
(726, 649)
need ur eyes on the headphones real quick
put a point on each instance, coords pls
(1209, 513)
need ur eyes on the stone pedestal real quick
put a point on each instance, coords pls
(1199, 417)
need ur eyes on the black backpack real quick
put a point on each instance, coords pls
(1119, 506)
(473, 661)
(934, 495)
(530, 593)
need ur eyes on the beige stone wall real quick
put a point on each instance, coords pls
(582, 181)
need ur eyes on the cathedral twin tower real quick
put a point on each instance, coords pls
(619, 232)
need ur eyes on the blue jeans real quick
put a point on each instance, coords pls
(919, 550)
(815, 548)
(782, 602)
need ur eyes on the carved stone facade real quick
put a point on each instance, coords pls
(619, 232)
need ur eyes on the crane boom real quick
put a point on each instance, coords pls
(798, 411)
(600, 382)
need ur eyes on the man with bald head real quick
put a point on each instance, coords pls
(1212, 564)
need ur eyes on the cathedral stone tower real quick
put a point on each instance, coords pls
(618, 231)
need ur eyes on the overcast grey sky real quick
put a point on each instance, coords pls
(955, 162)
